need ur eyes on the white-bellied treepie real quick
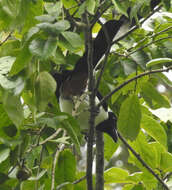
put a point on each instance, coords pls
(72, 85)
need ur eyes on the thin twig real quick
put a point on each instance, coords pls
(142, 161)
(62, 146)
(98, 13)
(9, 35)
(67, 183)
(51, 137)
(146, 45)
(152, 36)
(130, 80)
(39, 167)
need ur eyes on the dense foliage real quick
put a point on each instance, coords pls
(39, 145)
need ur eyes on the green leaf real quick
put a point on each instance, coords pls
(58, 57)
(128, 187)
(154, 129)
(129, 118)
(116, 175)
(158, 61)
(120, 7)
(55, 28)
(6, 64)
(34, 9)
(43, 48)
(3, 178)
(68, 4)
(22, 60)
(45, 18)
(5, 121)
(135, 177)
(38, 176)
(90, 5)
(165, 79)
(13, 107)
(166, 160)
(141, 58)
(29, 185)
(73, 38)
(45, 88)
(73, 130)
(146, 151)
(10, 130)
(151, 94)
(17, 85)
(167, 4)
(4, 153)
(54, 8)
(61, 140)
(109, 147)
(66, 167)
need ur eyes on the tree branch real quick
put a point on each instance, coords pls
(99, 161)
(136, 26)
(152, 36)
(67, 183)
(50, 137)
(130, 80)
(88, 37)
(98, 14)
(142, 161)
(62, 146)
(146, 45)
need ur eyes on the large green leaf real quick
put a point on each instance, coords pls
(43, 48)
(53, 9)
(19, 13)
(90, 6)
(109, 147)
(54, 28)
(152, 96)
(120, 7)
(73, 130)
(116, 175)
(5, 121)
(129, 118)
(146, 151)
(73, 38)
(13, 107)
(17, 85)
(66, 167)
(4, 153)
(141, 58)
(45, 88)
(22, 60)
(154, 129)
(6, 64)
(158, 61)
(166, 160)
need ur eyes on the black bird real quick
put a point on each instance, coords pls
(72, 85)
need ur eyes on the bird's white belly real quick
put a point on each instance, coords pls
(81, 111)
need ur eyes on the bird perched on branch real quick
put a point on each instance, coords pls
(72, 91)
(72, 85)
